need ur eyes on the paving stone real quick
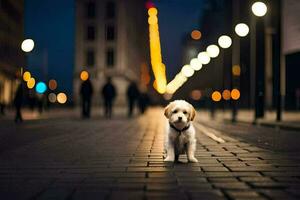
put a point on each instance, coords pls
(243, 194)
(222, 179)
(215, 169)
(90, 195)
(57, 193)
(82, 161)
(230, 185)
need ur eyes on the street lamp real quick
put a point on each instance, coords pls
(213, 51)
(259, 9)
(187, 71)
(196, 64)
(204, 57)
(241, 29)
(224, 41)
(257, 60)
(27, 45)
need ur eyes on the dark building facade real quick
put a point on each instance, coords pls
(11, 55)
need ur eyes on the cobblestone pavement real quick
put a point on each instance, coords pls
(123, 159)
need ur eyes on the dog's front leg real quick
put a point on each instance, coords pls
(191, 147)
(170, 153)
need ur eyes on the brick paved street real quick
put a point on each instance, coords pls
(123, 159)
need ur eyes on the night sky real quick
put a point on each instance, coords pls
(176, 18)
(50, 23)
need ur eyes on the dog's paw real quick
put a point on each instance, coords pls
(193, 160)
(168, 159)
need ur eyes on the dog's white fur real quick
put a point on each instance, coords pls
(180, 114)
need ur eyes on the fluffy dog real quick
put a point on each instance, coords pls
(180, 133)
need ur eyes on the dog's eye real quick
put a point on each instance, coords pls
(175, 111)
(184, 112)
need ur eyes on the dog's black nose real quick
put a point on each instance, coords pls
(179, 118)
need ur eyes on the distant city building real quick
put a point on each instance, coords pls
(111, 41)
(11, 55)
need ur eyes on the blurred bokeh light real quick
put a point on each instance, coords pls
(236, 70)
(241, 29)
(196, 95)
(235, 94)
(259, 9)
(26, 76)
(226, 94)
(216, 96)
(52, 84)
(84, 75)
(224, 41)
(196, 64)
(196, 34)
(31, 83)
(41, 87)
(62, 98)
(187, 71)
(27, 45)
(204, 58)
(52, 97)
(213, 51)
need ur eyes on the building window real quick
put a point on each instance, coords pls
(110, 32)
(110, 58)
(90, 9)
(91, 33)
(110, 10)
(90, 58)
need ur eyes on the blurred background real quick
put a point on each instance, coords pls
(53, 46)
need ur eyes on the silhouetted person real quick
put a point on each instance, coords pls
(144, 102)
(40, 98)
(32, 99)
(109, 94)
(18, 101)
(86, 92)
(132, 97)
(2, 105)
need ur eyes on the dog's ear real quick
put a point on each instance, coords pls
(167, 111)
(192, 113)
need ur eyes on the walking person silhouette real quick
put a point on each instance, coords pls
(108, 94)
(86, 92)
(132, 97)
(18, 101)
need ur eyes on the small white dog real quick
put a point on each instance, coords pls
(180, 134)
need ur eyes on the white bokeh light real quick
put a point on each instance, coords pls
(203, 57)
(259, 9)
(187, 71)
(224, 41)
(27, 45)
(213, 51)
(241, 29)
(196, 64)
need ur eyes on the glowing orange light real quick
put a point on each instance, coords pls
(152, 11)
(158, 68)
(235, 94)
(196, 95)
(31, 83)
(236, 70)
(84, 75)
(216, 96)
(152, 20)
(52, 84)
(226, 94)
(196, 35)
(26, 76)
